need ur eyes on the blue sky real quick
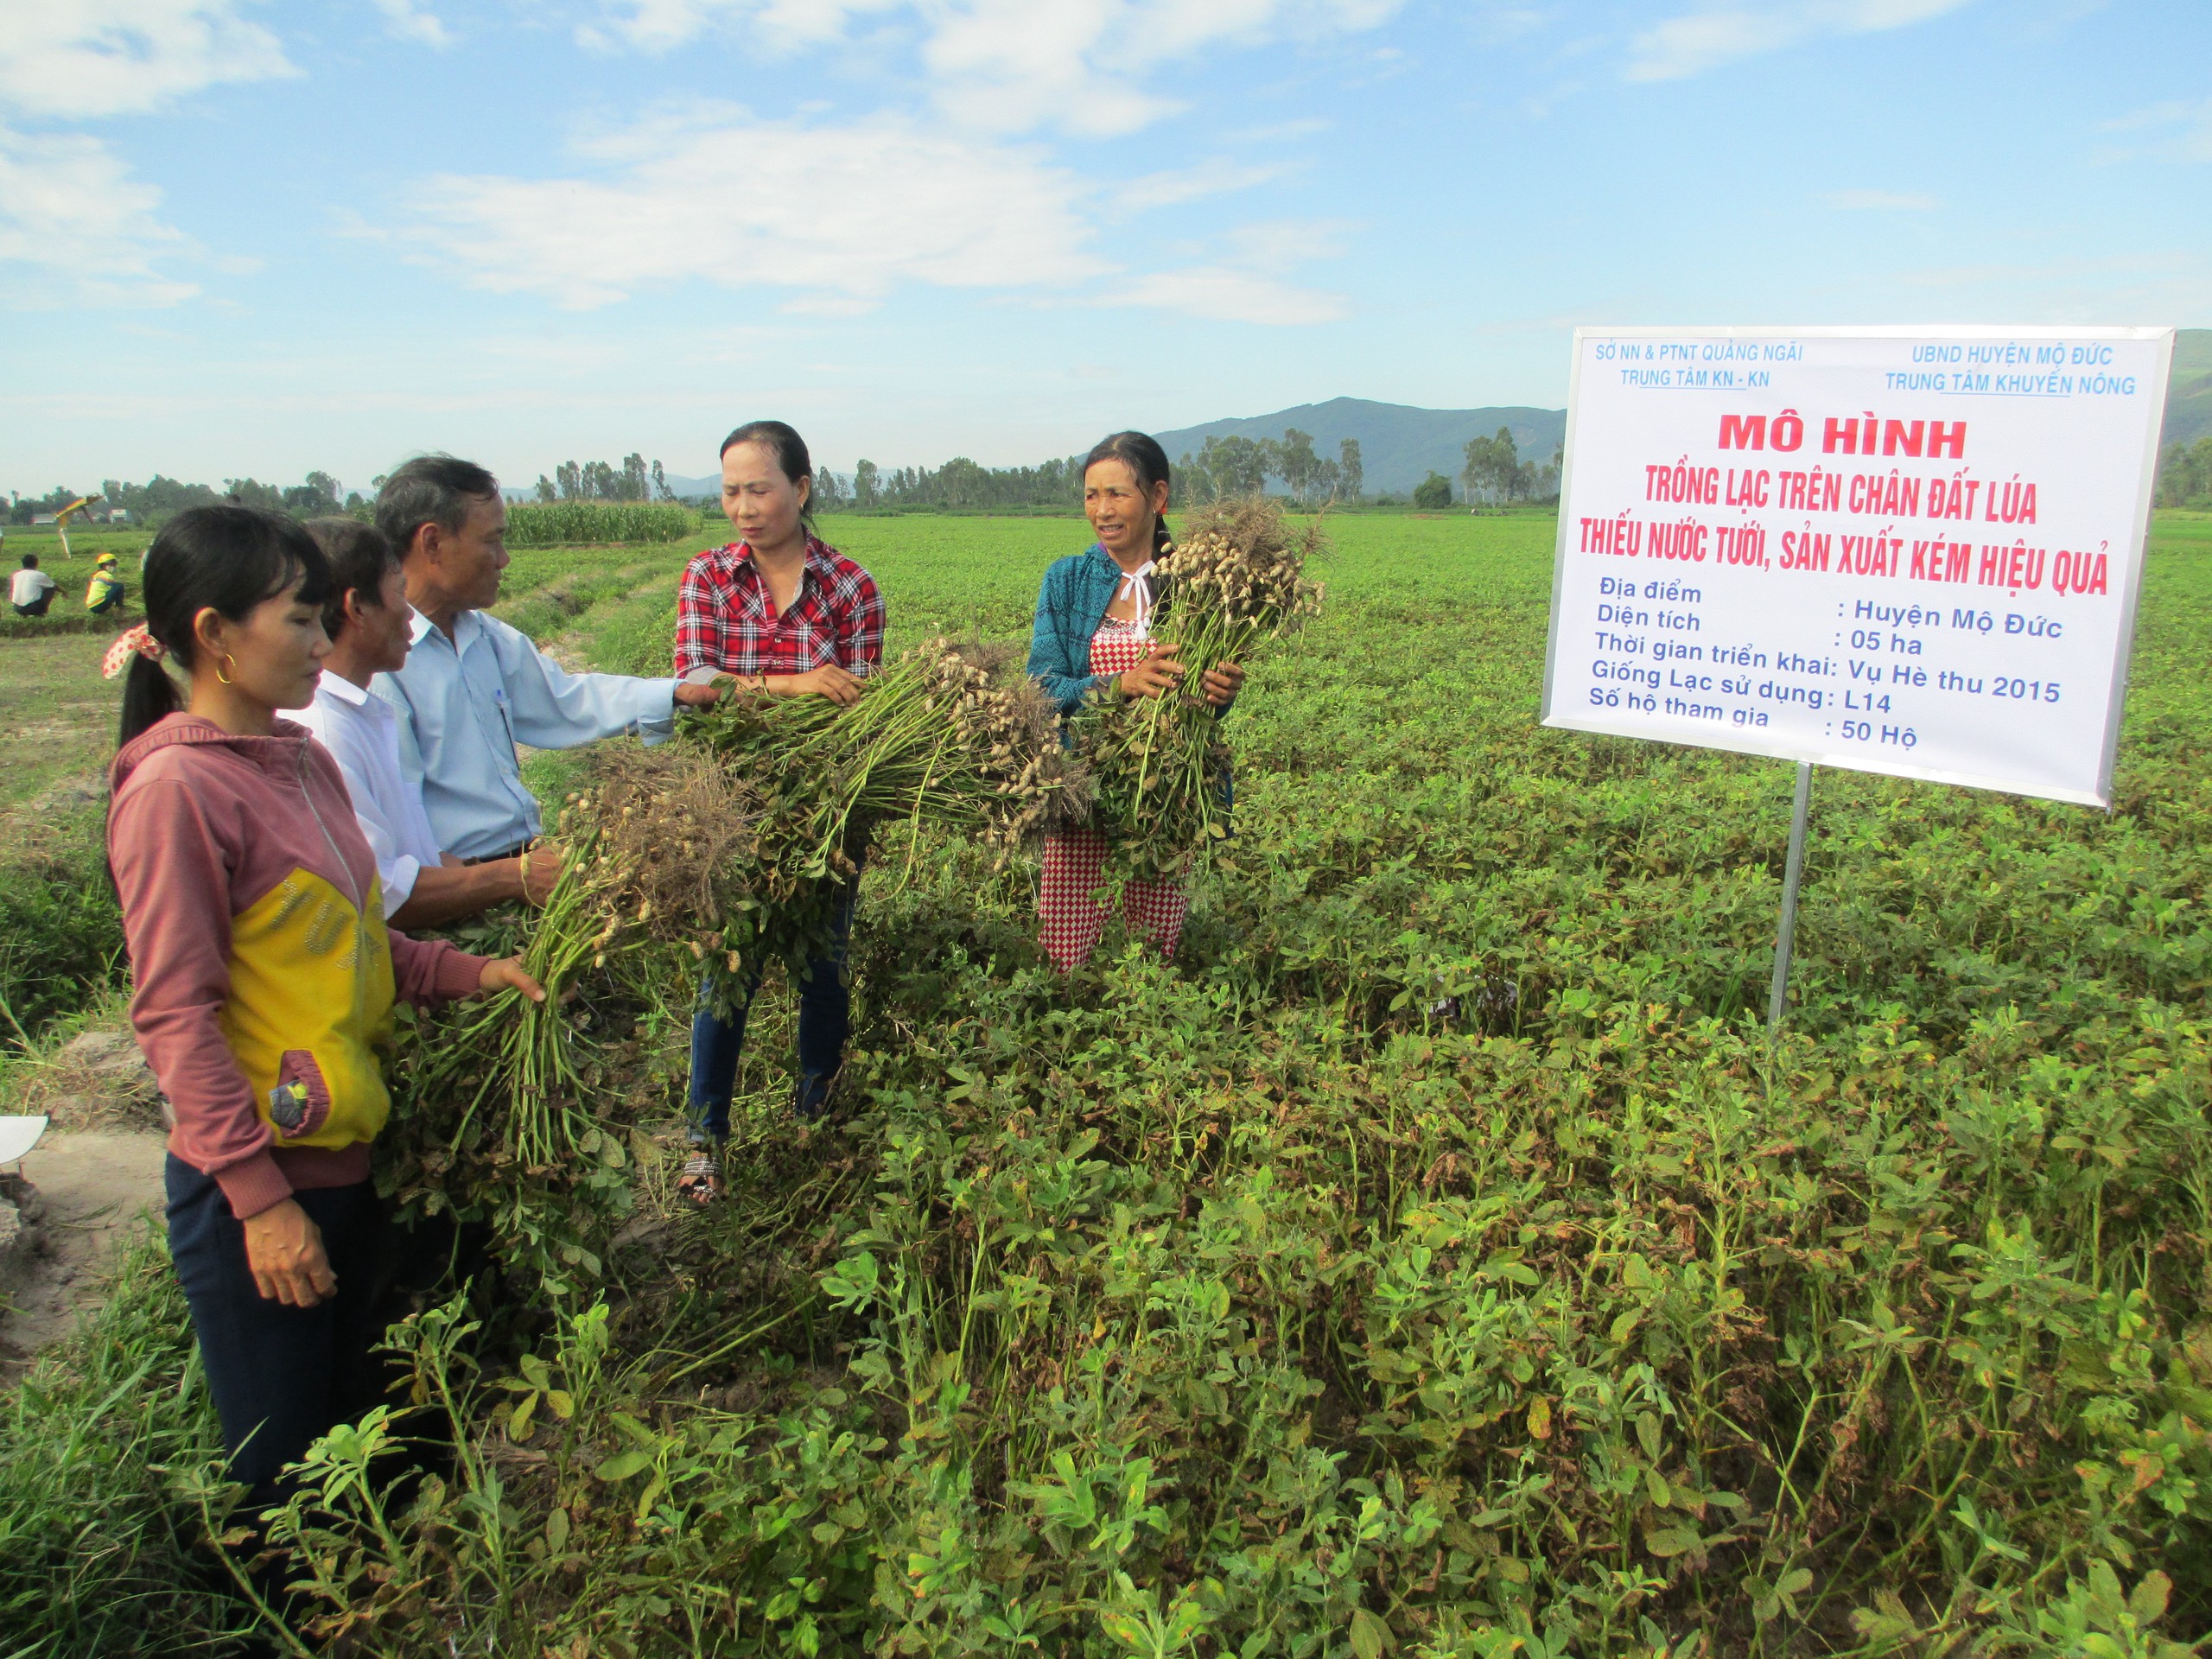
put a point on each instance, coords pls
(249, 238)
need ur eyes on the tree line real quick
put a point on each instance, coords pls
(597, 481)
(1240, 466)
(960, 484)
(1223, 466)
(1493, 471)
(154, 501)
(2185, 475)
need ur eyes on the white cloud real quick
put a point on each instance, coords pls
(1010, 66)
(661, 25)
(827, 305)
(1172, 189)
(1244, 278)
(1279, 132)
(1224, 293)
(1084, 64)
(74, 224)
(408, 21)
(832, 218)
(720, 197)
(1698, 40)
(84, 58)
(71, 213)
(2183, 132)
(1275, 245)
(1881, 201)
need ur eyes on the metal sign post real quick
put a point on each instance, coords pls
(1792, 871)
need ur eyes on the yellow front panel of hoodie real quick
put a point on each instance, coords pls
(309, 1008)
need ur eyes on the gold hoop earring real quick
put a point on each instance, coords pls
(219, 675)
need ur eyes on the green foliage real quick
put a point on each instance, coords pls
(595, 480)
(555, 523)
(61, 933)
(1437, 1260)
(99, 1521)
(960, 486)
(59, 620)
(2185, 475)
(1433, 494)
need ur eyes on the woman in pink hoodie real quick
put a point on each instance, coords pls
(264, 979)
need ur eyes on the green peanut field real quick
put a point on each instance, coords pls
(1440, 1258)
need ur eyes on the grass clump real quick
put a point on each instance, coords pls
(60, 929)
(103, 1447)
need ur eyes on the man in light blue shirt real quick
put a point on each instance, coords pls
(473, 686)
(369, 625)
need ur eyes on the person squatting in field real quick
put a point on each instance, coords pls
(369, 622)
(264, 981)
(785, 615)
(103, 593)
(1093, 633)
(30, 589)
(473, 687)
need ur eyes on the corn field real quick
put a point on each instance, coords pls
(558, 523)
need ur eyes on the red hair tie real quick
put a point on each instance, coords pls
(132, 642)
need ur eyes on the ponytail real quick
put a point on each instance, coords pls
(149, 695)
(222, 558)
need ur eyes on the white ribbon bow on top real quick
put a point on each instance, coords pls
(1137, 584)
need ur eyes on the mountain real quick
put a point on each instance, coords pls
(2189, 390)
(1399, 445)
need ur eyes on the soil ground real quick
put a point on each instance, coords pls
(95, 1185)
(96, 1173)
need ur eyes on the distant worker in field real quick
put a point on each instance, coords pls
(264, 978)
(369, 621)
(103, 593)
(473, 686)
(785, 615)
(30, 589)
(1093, 633)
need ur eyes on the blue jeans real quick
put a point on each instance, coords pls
(825, 1018)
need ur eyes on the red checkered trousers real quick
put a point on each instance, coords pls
(1069, 905)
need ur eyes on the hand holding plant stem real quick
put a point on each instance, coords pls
(507, 974)
(1155, 674)
(1163, 671)
(1161, 769)
(536, 869)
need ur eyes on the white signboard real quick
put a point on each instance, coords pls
(1905, 550)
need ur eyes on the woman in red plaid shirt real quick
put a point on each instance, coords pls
(788, 615)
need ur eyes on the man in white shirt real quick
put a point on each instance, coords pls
(367, 620)
(473, 686)
(30, 590)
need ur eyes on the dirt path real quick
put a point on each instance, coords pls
(92, 1185)
(96, 1173)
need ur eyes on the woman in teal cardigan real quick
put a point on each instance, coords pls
(1093, 634)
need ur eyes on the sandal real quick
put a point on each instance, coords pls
(700, 1183)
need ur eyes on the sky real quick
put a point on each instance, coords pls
(253, 239)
